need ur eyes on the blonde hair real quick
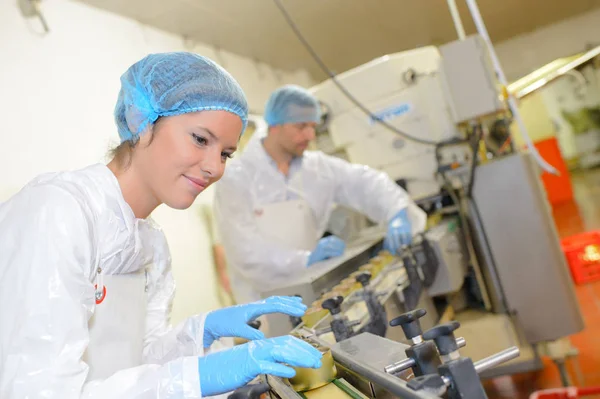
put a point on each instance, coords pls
(123, 153)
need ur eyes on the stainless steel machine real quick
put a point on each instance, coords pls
(497, 264)
(517, 283)
(369, 366)
(490, 259)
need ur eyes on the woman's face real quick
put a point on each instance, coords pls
(185, 154)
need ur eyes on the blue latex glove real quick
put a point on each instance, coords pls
(399, 232)
(230, 369)
(327, 247)
(233, 321)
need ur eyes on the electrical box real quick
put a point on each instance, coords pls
(404, 89)
(470, 79)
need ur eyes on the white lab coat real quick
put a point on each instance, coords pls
(252, 181)
(54, 234)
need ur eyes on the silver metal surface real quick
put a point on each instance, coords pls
(281, 388)
(386, 285)
(498, 358)
(447, 381)
(470, 79)
(373, 350)
(516, 221)
(321, 278)
(399, 366)
(366, 355)
(407, 363)
(452, 258)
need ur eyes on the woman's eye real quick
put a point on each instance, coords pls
(225, 156)
(199, 139)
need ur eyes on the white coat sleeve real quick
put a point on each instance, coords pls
(46, 299)
(162, 343)
(372, 192)
(254, 256)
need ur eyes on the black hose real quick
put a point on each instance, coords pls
(332, 75)
(477, 139)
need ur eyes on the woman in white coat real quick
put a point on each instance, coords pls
(85, 275)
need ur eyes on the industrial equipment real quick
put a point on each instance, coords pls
(374, 286)
(490, 256)
(504, 275)
(369, 366)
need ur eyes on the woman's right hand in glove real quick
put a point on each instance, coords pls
(230, 369)
(327, 247)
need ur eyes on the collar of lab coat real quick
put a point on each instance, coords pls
(258, 153)
(113, 192)
(121, 233)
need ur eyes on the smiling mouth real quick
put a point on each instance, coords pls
(198, 183)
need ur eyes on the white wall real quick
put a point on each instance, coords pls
(57, 94)
(525, 53)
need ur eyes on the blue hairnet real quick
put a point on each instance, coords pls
(292, 104)
(171, 84)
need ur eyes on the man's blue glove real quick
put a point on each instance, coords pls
(230, 369)
(399, 232)
(233, 321)
(327, 247)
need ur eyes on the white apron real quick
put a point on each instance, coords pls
(289, 223)
(118, 324)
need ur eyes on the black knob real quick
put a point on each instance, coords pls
(443, 335)
(410, 323)
(250, 391)
(255, 324)
(364, 278)
(333, 304)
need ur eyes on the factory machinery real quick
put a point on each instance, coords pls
(489, 262)
(358, 362)
(368, 366)
(490, 257)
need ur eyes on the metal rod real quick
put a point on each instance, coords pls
(458, 25)
(498, 358)
(409, 362)
(399, 366)
(474, 9)
(394, 385)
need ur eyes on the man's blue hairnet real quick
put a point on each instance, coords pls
(168, 84)
(292, 104)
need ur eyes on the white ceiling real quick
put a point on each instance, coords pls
(345, 33)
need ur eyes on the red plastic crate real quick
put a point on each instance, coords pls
(583, 254)
(565, 393)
